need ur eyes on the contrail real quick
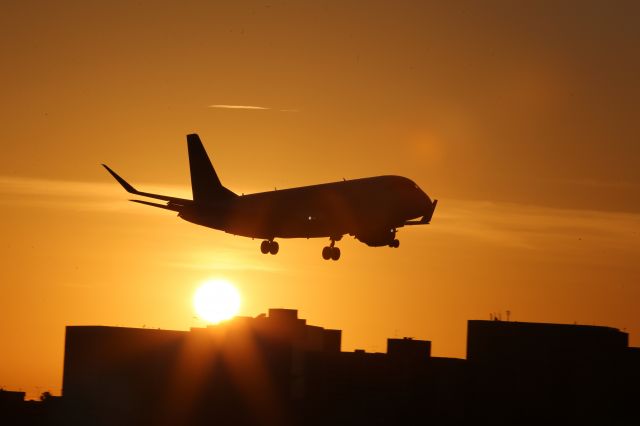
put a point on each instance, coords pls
(237, 107)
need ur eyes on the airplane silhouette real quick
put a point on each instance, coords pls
(370, 209)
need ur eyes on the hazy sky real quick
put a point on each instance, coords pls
(522, 118)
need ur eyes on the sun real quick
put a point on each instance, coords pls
(216, 300)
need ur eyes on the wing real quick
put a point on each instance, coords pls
(174, 202)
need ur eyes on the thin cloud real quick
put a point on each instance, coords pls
(223, 265)
(75, 195)
(250, 107)
(237, 254)
(532, 227)
(598, 183)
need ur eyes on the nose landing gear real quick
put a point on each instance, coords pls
(269, 246)
(331, 252)
(394, 243)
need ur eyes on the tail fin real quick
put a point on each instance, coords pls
(205, 183)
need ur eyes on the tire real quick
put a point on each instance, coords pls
(264, 247)
(326, 253)
(335, 253)
(274, 247)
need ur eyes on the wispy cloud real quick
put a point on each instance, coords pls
(216, 263)
(219, 253)
(252, 107)
(76, 195)
(504, 224)
(601, 184)
(533, 227)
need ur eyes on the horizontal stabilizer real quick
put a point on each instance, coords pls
(173, 207)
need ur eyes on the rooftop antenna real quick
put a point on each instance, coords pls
(508, 314)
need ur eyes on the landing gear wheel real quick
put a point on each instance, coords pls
(274, 247)
(395, 244)
(326, 253)
(332, 252)
(335, 253)
(264, 247)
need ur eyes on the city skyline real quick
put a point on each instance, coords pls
(278, 368)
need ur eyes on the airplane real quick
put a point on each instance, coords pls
(369, 209)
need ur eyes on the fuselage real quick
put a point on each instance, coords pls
(361, 207)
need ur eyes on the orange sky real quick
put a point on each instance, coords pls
(522, 119)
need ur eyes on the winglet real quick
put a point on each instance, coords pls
(427, 217)
(121, 181)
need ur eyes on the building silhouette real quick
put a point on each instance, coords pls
(245, 371)
(15, 411)
(532, 373)
(276, 369)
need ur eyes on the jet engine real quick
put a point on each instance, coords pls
(378, 238)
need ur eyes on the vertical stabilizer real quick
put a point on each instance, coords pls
(205, 184)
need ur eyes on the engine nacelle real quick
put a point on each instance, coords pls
(377, 238)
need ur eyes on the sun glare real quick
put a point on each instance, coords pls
(216, 300)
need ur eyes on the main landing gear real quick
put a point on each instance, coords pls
(331, 252)
(394, 244)
(269, 246)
